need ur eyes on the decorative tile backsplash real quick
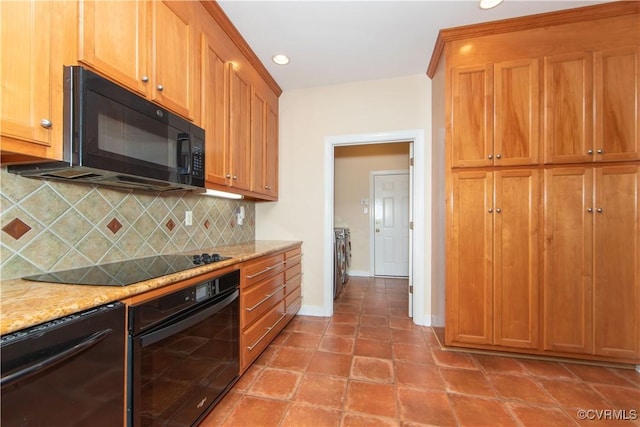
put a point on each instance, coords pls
(52, 225)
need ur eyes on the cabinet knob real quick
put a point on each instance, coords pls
(490, 210)
(599, 210)
(589, 210)
(228, 176)
(235, 177)
(498, 210)
(145, 79)
(498, 156)
(590, 152)
(160, 88)
(600, 151)
(490, 156)
(46, 123)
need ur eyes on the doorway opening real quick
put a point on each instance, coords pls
(417, 210)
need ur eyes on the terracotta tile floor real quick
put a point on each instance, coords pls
(369, 365)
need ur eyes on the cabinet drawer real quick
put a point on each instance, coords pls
(259, 298)
(294, 300)
(257, 337)
(291, 273)
(261, 269)
(294, 256)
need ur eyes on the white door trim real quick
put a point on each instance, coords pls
(372, 234)
(417, 136)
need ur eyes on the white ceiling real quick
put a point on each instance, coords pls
(332, 42)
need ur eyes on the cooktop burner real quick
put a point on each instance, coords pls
(124, 273)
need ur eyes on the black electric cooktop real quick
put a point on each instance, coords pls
(124, 273)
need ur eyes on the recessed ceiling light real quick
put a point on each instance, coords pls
(488, 4)
(280, 59)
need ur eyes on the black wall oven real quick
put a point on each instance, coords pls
(184, 352)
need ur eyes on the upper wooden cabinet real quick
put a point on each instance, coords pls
(580, 86)
(239, 173)
(32, 60)
(240, 114)
(148, 46)
(544, 89)
(264, 135)
(103, 27)
(495, 110)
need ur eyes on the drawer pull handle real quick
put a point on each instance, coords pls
(278, 289)
(265, 270)
(269, 329)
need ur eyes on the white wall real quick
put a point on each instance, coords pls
(307, 117)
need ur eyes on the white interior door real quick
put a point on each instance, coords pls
(391, 224)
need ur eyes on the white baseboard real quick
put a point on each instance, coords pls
(358, 273)
(312, 310)
(437, 320)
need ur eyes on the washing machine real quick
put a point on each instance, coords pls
(339, 265)
(347, 254)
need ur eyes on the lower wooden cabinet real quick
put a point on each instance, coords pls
(293, 281)
(592, 261)
(493, 283)
(546, 261)
(270, 296)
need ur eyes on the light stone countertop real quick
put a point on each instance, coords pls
(25, 303)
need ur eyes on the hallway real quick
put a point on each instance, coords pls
(369, 365)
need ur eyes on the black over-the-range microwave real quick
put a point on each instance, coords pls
(115, 137)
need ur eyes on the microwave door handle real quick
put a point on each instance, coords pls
(184, 169)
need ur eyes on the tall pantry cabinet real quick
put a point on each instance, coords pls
(542, 160)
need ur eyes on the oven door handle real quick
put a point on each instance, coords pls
(189, 321)
(34, 368)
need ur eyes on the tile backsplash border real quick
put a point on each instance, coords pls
(48, 225)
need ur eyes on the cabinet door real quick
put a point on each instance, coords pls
(617, 262)
(472, 116)
(174, 54)
(27, 78)
(214, 112)
(516, 248)
(271, 153)
(617, 87)
(568, 260)
(258, 141)
(113, 40)
(517, 110)
(568, 113)
(469, 301)
(240, 130)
